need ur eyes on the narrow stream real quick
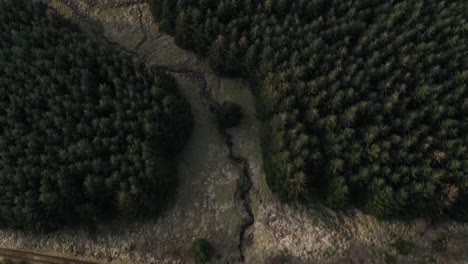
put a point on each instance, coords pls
(206, 97)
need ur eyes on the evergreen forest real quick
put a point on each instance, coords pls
(85, 131)
(364, 102)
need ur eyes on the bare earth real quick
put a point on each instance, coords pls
(208, 203)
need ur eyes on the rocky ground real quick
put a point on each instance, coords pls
(211, 201)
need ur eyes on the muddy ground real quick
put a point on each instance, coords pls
(212, 200)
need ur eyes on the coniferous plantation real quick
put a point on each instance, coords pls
(364, 102)
(84, 130)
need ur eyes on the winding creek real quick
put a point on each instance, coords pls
(207, 99)
(222, 195)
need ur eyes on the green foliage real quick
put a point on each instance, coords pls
(363, 101)
(202, 250)
(164, 11)
(339, 194)
(389, 259)
(403, 247)
(156, 8)
(229, 115)
(440, 245)
(84, 131)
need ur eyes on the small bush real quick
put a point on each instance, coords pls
(202, 249)
(403, 247)
(389, 259)
(439, 245)
(229, 115)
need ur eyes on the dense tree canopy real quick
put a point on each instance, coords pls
(84, 130)
(365, 102)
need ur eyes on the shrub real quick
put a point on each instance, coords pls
(389, 259)
(439, 245)
(229, 115)
(403, 247)
(202, 249)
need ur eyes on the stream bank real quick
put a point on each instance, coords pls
(195, 71)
